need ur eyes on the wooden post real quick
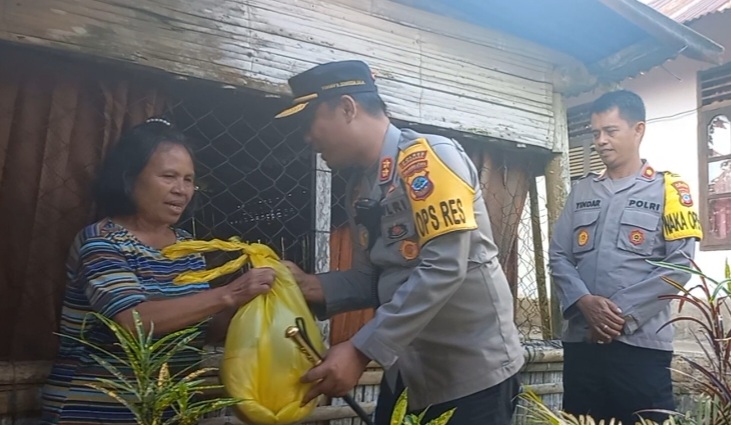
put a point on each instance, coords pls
(539, 261)
(322, 224)
(558, 181)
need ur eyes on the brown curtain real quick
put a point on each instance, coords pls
(57, 119)
(504, 179)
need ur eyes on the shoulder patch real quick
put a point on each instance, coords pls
(649, 172)
(440, 200)
(680, 220)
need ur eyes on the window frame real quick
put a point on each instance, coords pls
(713, 99)
(706, 114)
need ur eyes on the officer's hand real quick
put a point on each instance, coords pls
(309, 284)
(337, 374)
(594, 338)
(603, 315)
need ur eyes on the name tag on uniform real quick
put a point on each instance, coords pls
(396, 223)
(644, 204)
(589, 204)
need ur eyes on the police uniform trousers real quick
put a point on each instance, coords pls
(491, 406)
(617, 380)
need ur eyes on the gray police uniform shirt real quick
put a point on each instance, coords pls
(601, 245)
(444, 317)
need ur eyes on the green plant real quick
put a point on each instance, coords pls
(712, 406)
(152, 392)
(401, 417)
(537, 412)
(713, 379)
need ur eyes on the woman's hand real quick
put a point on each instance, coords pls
(247, 287)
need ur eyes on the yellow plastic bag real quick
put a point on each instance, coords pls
(261, 366)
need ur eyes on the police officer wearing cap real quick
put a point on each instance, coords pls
(617, 352)
(425, 259)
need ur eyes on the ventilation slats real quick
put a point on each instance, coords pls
(715, 85)
(581, 143)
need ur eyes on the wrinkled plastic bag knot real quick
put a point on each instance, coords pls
(260, 365)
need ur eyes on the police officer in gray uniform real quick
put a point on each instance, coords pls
(616, 352)
(425, 258)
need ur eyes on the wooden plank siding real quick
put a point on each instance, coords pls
(471, 81)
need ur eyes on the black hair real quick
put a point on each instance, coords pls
(125, 161)
(630, 105)
(370, 101)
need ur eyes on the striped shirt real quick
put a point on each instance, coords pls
(109, 271)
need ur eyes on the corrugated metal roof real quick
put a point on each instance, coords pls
(687, 10)
(615, 39)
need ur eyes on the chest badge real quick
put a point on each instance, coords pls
(396, 231)
(636, 237)
(583, 237)
(409, 250)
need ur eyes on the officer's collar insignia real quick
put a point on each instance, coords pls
(386, 169)
(648, 172)
(601, 175)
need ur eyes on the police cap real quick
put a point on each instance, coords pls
(326, 81)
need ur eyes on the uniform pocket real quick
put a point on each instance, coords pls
(585, 230)
(637, 231)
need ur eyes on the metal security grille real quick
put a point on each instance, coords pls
(255, 175)
(533, 307)
(339, 183)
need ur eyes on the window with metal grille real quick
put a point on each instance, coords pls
(583, 159)
(255, 177)
(714, 153)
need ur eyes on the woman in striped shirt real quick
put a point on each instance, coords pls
(115, 266)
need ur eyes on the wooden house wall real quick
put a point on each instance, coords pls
(431, 70)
